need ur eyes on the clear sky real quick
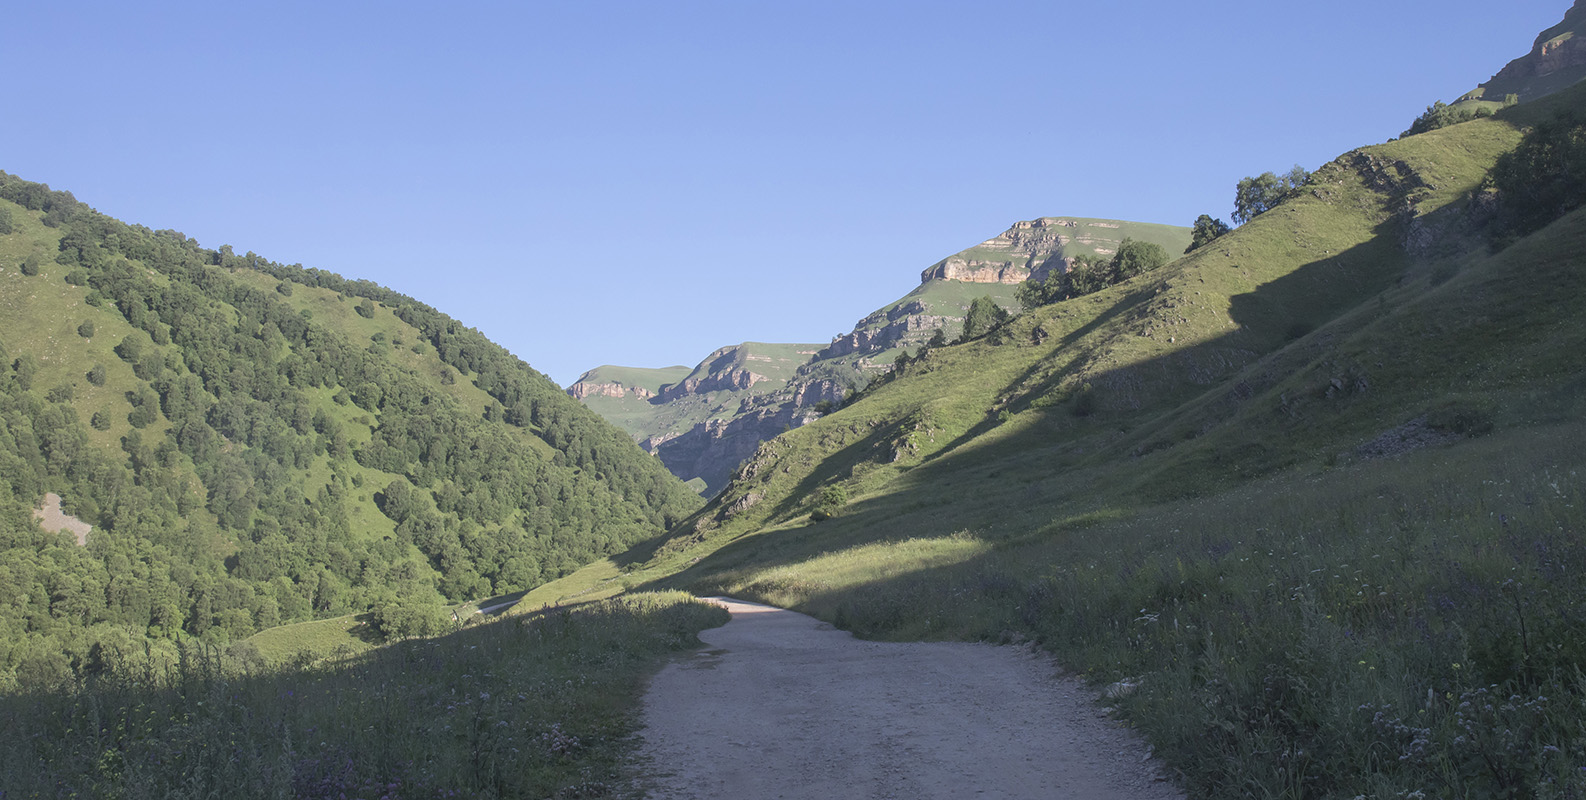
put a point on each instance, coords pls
(639, 183)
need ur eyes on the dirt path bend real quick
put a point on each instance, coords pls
(781, 705)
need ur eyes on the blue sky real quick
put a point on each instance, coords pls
(639, 183)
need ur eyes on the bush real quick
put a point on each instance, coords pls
(1442, 115)
(1462, 417)
(411, 620)
(983, 316)
(86, 330)
(100, 420)
(1542, 179)
(31, 264)
(5, 221)
(1256, 196)
(830, 503)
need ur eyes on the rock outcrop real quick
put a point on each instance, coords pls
(1556, 61)
(583, 389)
(883, 330)
(739, 396)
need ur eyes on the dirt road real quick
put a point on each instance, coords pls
(781, 705)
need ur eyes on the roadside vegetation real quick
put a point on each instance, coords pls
(1305, 504)
(536, 705)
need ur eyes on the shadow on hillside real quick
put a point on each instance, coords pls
(1277, 330)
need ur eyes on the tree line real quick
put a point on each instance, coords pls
(233, 504)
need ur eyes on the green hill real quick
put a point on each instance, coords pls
(257, 444)
(1304, 497)
(704, 424)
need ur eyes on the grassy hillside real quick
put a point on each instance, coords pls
(704, 424)
(1308, 497)
(715, 389)
(258, 444)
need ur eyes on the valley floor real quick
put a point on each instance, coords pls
(782, 705)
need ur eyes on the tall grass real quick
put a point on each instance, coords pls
(532, 706)
(1402, 627)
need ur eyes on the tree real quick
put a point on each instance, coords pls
(30, 265)
(1207, 228)
(1256, 196)
(100, 420)
(1089, 274)
(86, 330)
(984, 315)
(1136, 258)
(96, 375)
(1544, 178)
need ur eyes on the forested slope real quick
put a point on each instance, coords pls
(256, 443)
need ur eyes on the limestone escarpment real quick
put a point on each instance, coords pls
(1028, 249)
(702, 423)
(884, 330)
(583, 389)
(1556, 61)
(728, 380)
(976, 271)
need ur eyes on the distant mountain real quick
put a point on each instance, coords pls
(254, 444)
(704, 423)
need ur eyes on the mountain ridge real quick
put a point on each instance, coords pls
(705, 444)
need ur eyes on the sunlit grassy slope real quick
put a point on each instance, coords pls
(1299, 473)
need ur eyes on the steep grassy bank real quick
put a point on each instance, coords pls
(534, 706)
(1323, 634)
(1309, 496)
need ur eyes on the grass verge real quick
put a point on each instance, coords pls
(539, 705)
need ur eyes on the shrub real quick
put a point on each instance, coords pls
(830, 503)
(1542, 179)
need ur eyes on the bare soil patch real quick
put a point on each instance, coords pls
(51, 518)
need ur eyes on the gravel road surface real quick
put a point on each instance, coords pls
(782, 705)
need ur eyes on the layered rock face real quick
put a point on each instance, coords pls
(1556, 61)
(704, 424)
(721, 373)
(583, 389)
(885, 330)
(1029, 249)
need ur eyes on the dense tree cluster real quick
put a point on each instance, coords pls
(233, 503)
(1087, 274)
(1542, 179)
(1256, 196)
(1206, 229)
(1442, 115)
(983, 315)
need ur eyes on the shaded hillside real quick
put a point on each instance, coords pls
(255, 443)
(704, 425)
(1297, 495)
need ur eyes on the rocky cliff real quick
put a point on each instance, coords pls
(703, 424)
(585, 389)
(1557, 60)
